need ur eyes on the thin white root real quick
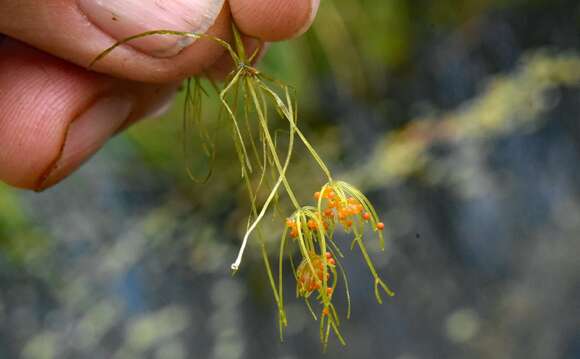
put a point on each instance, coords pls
(238, 261)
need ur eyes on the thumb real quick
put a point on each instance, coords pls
(78, 30)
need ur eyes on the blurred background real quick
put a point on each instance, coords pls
(459, 119)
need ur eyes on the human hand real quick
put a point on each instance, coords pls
(54, 113)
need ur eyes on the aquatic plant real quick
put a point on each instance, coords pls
(255, 104)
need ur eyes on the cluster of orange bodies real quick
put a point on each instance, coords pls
(335, 210)
(309, 281)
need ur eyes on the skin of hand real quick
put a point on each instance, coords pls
(55, 113)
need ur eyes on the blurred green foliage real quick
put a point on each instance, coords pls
(20, 240)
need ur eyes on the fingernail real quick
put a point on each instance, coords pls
(123, 18)
(314, 5)
(86, 135)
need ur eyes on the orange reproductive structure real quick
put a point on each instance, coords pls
(311, 229)
(309, 281)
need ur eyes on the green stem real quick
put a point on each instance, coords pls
(192, 35)
(273, 192)
(270, 142)
(278, 299)
(378, 280)
(310, 148)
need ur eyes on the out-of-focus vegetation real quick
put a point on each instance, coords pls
(460, 118)
(501, 109)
